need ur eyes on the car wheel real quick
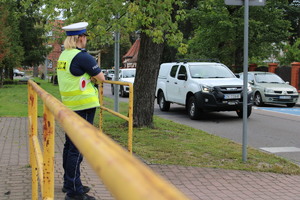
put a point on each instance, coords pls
(112, 89)
(192, 108)
(290, 105)
(163, 104)
(122, 92)
(240, 112)
(258, 99)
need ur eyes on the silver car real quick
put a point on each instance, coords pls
(268, 87)
(18, 73)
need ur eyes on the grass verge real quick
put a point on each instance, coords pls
(167, 143)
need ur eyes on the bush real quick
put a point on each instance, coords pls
(10, 82)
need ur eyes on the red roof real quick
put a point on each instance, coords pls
(133, 51)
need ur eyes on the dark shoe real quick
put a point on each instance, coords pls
(80, 197)
(85, 189)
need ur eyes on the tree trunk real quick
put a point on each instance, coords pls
(1, 76)
(35, 71)
(147, 69)
(239, 57)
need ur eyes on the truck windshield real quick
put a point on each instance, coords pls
(129, 73)
(210, 71)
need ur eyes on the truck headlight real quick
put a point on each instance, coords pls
(207, 89)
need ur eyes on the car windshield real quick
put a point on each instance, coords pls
(128, 73)
(268, 78)
(210, 71)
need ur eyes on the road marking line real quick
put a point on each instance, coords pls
(280, 149)
(287, 111)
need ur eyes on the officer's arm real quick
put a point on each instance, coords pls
(99, 77)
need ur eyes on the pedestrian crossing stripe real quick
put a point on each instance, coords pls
(280, 149)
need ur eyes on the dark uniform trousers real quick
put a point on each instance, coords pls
(72, 159)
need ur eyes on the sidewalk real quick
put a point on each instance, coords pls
(196, 183)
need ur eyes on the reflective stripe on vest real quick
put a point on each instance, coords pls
(72, 94)
(80, 101)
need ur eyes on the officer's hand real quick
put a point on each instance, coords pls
(94, 80)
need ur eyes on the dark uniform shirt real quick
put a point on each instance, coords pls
(82, 63)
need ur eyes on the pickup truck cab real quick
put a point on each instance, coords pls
(201, 87)
(125, 75)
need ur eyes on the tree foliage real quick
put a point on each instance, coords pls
(22, 35)
(11, 51)
(290, 54)
(218, 30)
(292, 11)
(33, 34)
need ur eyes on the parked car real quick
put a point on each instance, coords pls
(110, 73)
(201, 87)
(18, 73)
(270, 88)
(104, 71)
(125, 75)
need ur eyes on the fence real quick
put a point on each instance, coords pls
(124, 176)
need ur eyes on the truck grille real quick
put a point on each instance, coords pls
(229, 89)
(221, 91)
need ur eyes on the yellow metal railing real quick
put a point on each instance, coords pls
(124, 175)
(42, 162)
(130, 110)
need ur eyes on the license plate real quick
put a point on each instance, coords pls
(232, 96)
(285, 97)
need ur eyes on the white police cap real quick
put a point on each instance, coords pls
(76, 29)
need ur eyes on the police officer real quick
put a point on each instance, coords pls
(75, 70)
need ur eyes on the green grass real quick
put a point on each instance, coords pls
(13, 100)
(167, 143)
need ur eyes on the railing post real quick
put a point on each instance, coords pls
(32, 126)
(130, 118)
(48, 146)
(101, 104)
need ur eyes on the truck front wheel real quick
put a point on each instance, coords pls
(193, 111)
(163, 104)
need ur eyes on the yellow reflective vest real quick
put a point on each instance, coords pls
(77, 92)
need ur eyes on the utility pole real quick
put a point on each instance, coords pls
(246, 4)
(117, 63)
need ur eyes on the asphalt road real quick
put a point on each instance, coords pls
(271, 129)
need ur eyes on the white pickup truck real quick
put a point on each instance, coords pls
(125, 75)
(201, 87)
